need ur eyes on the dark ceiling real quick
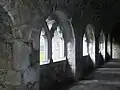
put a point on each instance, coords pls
(109, 11)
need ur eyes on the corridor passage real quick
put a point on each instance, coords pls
(107, 77)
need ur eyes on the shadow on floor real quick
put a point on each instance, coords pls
(105, 78)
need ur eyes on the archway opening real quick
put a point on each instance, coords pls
(57, 39)
(62, 46)
(109, 45)
(89, 42)
(102, 44)
(85, 47)
(58, 45)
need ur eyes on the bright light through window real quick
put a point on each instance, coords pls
(85, 51)
(102, 44)
(57, 45)
(43, 48)
(89, 43)
(92, 51)
(108, 45)
(50, 23)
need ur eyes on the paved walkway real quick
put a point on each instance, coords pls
(107, 77)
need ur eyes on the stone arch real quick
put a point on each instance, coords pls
(89, 35)
(102, 44)
(70, 38)
(68, 34)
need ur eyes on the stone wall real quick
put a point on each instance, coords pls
(19, 68)
(115, 51)
(19, 43)
(54, 73)
(16, 69)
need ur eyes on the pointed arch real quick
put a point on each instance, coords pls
(85, 49)
(89, 42)
(43, 47)
(58, 45)
(102, 44)
(60, 26)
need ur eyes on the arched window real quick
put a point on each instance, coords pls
(85, 49)
(102, 44)
(43, 47)
(109, 45)
(89, 42)
(62, 38)
(57, 45)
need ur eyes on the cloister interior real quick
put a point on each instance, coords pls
(59, 44)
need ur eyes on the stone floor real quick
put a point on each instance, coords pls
(107, 77)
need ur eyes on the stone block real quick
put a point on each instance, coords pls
(13, 78)
(20, 55)
(23, 87)
(36, 86)
(14, 16)
(9, 6)
(26, 32)
(3, 63)
(3, 2)
(9, 65)
(25, 15)
(20, 12)
(1, 88)
(2, 76)
(35, 37)
(18, 34)
(31, 75)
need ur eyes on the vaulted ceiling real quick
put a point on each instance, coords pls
(109, 11)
